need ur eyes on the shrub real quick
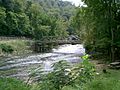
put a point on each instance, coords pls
(64, 74)
(12, 84)
(6, 48)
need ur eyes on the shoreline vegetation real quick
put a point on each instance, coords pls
(101, 81)
(15, 47)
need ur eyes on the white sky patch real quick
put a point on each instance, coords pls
(76, 2)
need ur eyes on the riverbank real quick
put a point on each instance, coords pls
(105, 80)
(102, 81)
(109, 80)
(18, 47)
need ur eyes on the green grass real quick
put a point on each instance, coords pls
(19, 46)
(12, 84)
(108, 81)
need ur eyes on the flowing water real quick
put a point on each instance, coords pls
(20, 67)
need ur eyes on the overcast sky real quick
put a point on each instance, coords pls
(76, 2)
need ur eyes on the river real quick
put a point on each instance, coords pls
(20, 67)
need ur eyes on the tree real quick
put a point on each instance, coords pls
(2, 20)
(60, 28)
(98, 26)
(35, 18)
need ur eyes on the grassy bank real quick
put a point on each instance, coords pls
(108, 81)
(101, 81)
(12, 84)
(18, 46)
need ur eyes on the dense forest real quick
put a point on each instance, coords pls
(35, 18)
(99, 27)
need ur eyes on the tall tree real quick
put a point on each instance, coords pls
(35, 18)
(2, 20)
(99, 26)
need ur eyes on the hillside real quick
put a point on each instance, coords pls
(35, 18)
(57, 8)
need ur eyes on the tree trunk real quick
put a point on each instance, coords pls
(111, 31)
(112, 46)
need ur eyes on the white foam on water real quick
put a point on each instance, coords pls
(73, 49)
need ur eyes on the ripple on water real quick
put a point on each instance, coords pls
(24, 65)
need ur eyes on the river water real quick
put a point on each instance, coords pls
(20, 67)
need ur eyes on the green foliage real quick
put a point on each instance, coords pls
(2, 20)
(109, 81)
(60, 32)
(103, 81)
(83, 73)
(64, 74)
(98, 26)
(2, 14)
(12, 84)
(58, 8)
(6, 48)
(35, 18)
(56, 79)
(17, 47)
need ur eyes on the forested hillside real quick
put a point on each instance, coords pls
(35, 18)
(57, 8)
